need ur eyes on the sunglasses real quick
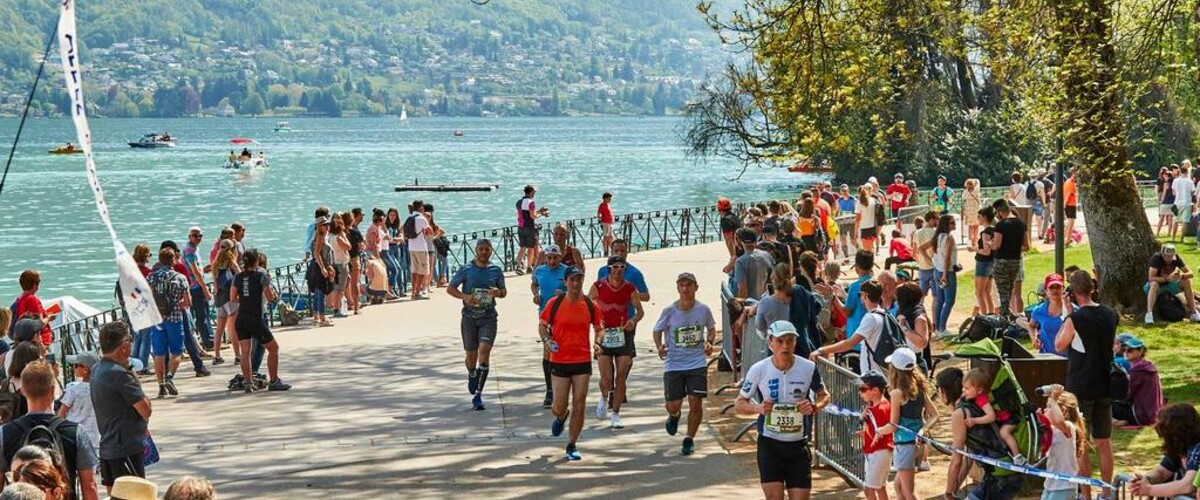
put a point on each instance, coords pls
(617, 266)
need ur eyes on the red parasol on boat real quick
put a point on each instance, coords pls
(242, 140)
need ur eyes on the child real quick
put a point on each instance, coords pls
(1062, 409)
(899, 251)
(910, 403)
(976, 385)
(877, 446)
(77, 396)
(377, 280)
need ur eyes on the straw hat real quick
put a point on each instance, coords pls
(133, 488)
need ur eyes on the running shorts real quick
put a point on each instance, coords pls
(477, 331)
(249, 327)
(784, 462)
(678, 384)
(569, 370)
(527, 236)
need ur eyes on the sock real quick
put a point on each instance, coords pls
(546, 373)
(470, 373)
(675, 417)
(170, 377)
(481, 372)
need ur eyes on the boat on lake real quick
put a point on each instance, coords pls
(154, 141)
(282, 127)
(246, 164)
(66, 149)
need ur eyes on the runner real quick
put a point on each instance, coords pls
(605, 214)
(571, 256)
(941, 195)
(898, 195)
(785, 382)
(565, 337)
(549, 281)
(251, 291)
(482, 284)
(527, 233)
(615, 297)
(690, 333)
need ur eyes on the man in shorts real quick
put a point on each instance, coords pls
(786, 385)
(605, 214)
(481, 284)
(122, 409)
(615, 298)
(251, 289)
(1168, 274)
(166, 339)
(549, 281)
(567, 326)
(527, 233)
(684, 335)
(417, 229)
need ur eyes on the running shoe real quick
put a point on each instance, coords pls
(689, 446)
(477, 402)
(249, 388)
(202, 372)
(573, 454)
(672, 424)
(472, 384)
(1149, 318)
(549, 401)
(616, 421)
(520, 270)
(279, 385)
(218, 361)
(601, 409)
(170, 387)
(339, 314)
(162, 391)
(556, 427)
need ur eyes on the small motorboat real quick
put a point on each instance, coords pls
(459, 133)
(282, 127)
(66, 149)
(154, 141)
(246, 164)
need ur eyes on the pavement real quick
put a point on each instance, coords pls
(380, 409)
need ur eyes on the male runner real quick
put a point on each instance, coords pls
(484, 283)
(571, 256)
(690, 332)
(549, 281)
(615, 297)
(564, 329)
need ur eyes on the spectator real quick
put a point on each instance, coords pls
(22, 491)
(984, 261)
(141, 338)
(730, 223)
(941, 196)
(167, 339)
(391, 240)
(1010, 240)
(1047, 318)
(320, 275)
(377, 279)
(868, 333)
(996, 484)
(1169, 274)
(1145, 388)
(1166, 200)
(923, 243)
(321, 211)
(134, 488)
(122, 410)
(970, 207)
(355, 236)
(914, 322)
(1067, 442)
(76, 402)
(877, 441)
(1089, 333)
(38, 384)
(28, 304)
(899, 251)
(416, 233)
(25, 353)
(864, 261)
(190, 488)
(195, 354)
(47, 478)
(5, 322)
(752, 270)
(866, 224)
(1071, 207)
(199, 291)
(1179, 428)
(945, 273)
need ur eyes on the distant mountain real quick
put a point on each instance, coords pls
(370, 56)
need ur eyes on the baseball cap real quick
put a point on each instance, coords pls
(903, 275)
(903, 359)
(88, 359)
(782, 328)
(196, 230)
(1124, 337)
(873, 379)
(898, 176)
(27, 329)
(322, 220)
(169, 244)
(551, 250)
(574, 271)
(1168, 249)
(1134, 343)
(1054, 279)
(724, 204)
(686, 276)
(616, 259)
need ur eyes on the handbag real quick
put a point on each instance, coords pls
(150, 455)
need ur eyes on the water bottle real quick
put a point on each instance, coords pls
(1044, 390)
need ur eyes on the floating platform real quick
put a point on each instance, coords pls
(447, 188)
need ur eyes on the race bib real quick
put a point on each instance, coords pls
(483, 298)
(614, 338)
(784, 419)
(688, 336)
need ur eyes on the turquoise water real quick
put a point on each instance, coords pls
(49, 221)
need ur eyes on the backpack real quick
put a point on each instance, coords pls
(586, 300)
(1031, 192)
(890, 338)
(880, 215)
(1168, 307)
(47, 437)
(410, 227)
(9, 401)
(442, 245)
(1118, 382)
(288, 315)
(983, 326)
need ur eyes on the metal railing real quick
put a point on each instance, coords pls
(838, 445)
(82, 335)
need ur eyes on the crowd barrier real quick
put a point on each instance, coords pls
(82, 335)
(836, 440)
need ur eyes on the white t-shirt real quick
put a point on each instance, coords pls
(1061, 458)
(420, 243)
(1018, 193)
(868, 213)
(782, 388)
(939, 254)
(919, 238)
(1183, 188)
(869, 329)
(78, 396)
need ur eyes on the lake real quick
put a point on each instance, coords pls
(50, 222)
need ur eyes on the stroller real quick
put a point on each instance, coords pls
(1033, 431)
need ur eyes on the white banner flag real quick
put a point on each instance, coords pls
(139, 301)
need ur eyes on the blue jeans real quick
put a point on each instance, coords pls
(443, 267)
(318, 301)
(203, 323)
(925, 280)
(943, 298)
(391, 259)
(189, 343)
(405, 268)
(141, 347)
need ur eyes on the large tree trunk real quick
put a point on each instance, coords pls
(1120, 235)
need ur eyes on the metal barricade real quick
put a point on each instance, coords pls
(727, 334)
(838, 445)
(82, 336)
(291, 288)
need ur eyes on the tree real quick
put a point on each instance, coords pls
(660, 100)
(253, 105)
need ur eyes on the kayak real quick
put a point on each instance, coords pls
(65, 151)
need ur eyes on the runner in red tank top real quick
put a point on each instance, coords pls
(613, 295)
(570, 255)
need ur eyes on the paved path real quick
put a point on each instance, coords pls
(380, 410)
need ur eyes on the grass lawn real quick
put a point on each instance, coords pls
(1173, 347)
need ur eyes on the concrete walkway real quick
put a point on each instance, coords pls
(380, 410)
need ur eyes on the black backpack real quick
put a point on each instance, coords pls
(1118, 382)
(983, 326)
(1031, 191)
(12, 402)
(1169, 308)
(160, 288)
(410, 227)
(890, 338)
